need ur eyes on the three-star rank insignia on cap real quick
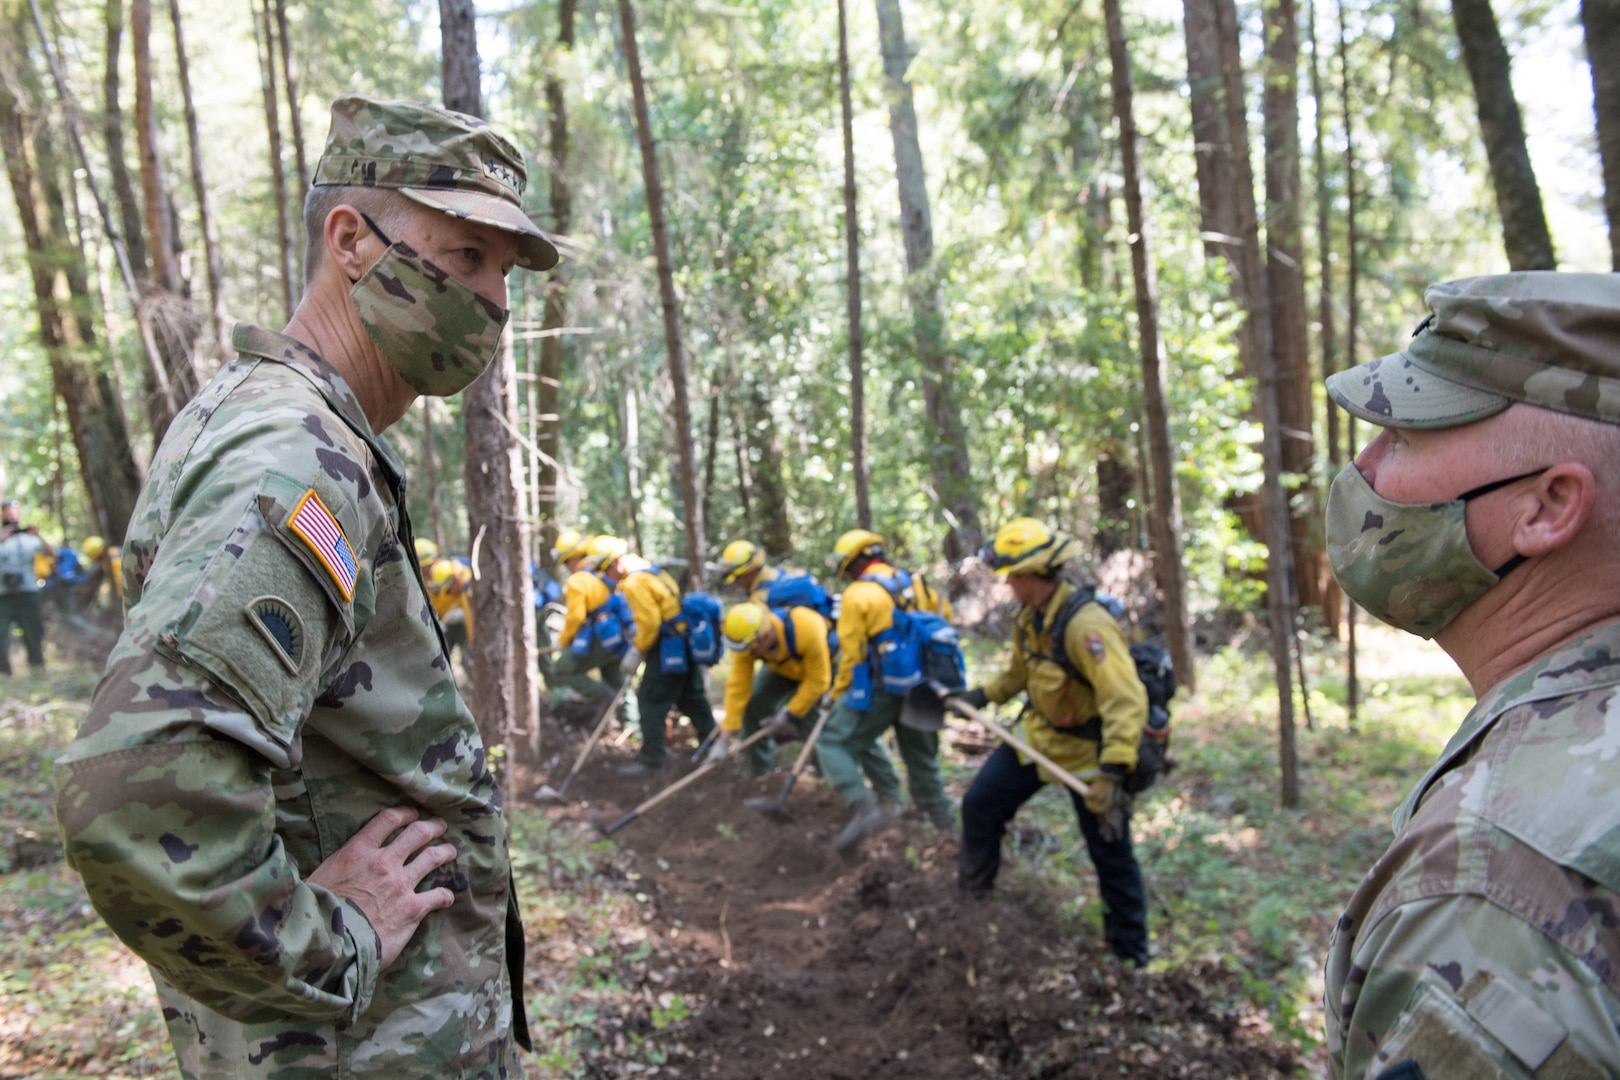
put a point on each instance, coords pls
(1094, 646)
(314, 524)
(281, 626)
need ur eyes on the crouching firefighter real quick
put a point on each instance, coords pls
(863, 710)
(792, 642)
(597, 628)
(663, 629)
(1087, 709)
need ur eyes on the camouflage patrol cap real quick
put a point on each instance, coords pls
(1541, 337)
(447, 160)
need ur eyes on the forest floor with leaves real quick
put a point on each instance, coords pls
(706, 940)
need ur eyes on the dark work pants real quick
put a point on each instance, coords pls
(24, 610)
(1000, 788)
(661, 691)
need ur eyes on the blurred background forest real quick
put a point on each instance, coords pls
(1001, 367)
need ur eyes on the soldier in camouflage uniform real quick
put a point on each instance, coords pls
(278, 731)
(1486, 941)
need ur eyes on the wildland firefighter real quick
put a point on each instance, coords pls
(1087, 710)
(278, 798)
(863, 711)
(781, 666)
(673, 679)
(1486, 515)
(596, 630)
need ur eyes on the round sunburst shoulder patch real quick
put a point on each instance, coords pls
(281, 626)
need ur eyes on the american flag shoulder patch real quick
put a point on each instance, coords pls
(314, 524)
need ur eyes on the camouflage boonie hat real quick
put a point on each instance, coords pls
(447, 160)
(1537, 336)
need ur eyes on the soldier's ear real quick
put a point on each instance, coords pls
(346, 235)
(1565, 497)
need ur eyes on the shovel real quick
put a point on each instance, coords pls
(773, 807)
(962, 708)
(695, 774)
(549, 794)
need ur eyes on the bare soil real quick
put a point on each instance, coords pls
(794, 960)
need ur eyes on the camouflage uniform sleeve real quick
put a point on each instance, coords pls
(1098, 649)
(1462, 987)
(176, 799)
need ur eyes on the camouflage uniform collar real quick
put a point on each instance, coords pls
(250, 340)
(1590, 662)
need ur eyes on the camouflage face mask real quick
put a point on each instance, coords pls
(438, 334)
(1410, 564)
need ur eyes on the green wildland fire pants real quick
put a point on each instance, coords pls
(25, 610)
(661, 691)
(852, 743)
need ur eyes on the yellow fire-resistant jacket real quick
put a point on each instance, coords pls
(867, 610)
(1059, 705)
(452, 595)
(583, 593)
(654, 599)
(812, 669)
(762, 585)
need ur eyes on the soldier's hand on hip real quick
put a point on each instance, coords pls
(380, 876)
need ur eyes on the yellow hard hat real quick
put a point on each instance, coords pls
(443, 570)
(93, 547)
(739, 558)
(1026, 546)
(851, 546)
(426, 550)
(570, 542)
(600, 550)
(741, 625)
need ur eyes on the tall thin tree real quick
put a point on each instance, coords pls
(948, 458)
(1352, 326)
(852, 287)
(1274, 505)
(1328, 338)
(1600, 19)
(199, 184)
(1165, 525)
(265, 38)
(548, 419)
(1518, 196)
(506, 697)
(682, 413)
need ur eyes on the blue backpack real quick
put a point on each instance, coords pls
(918, 647)
(791, 590)
(702, 614)
(607, 626)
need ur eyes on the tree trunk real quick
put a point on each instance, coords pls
(1275, 506)
(1165, 525)
(1601, 21)
(710, 452)
(112, 131)
(216, 273)
(739, 446)
(1285, 279)
(294, 115)
(1518, 196)
(165, 266)
(430, 462)
(770, 491)
(548, 419)
(272, 122)
(1331, 595)
(1212, 158)
(948, 459)
(682, 418)
(167, 318)
(61, 288)
(506, 697)
(852, 288)
(1352, 319)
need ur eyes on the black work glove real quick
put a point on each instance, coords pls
(1110, 802)
(974, 698)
